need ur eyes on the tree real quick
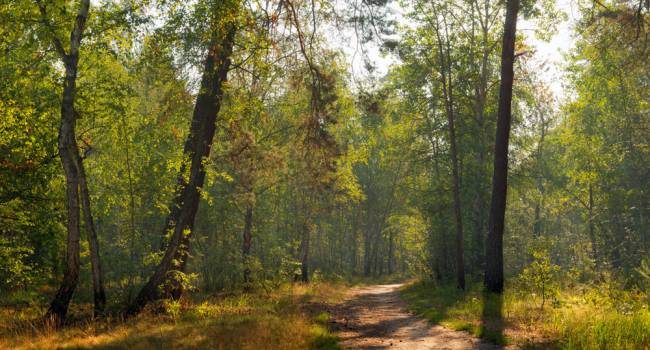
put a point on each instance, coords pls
(494, 245)
(447, 83)
(166, 281)
(76, 184)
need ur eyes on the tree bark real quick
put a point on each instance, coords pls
(304, 251)
(494, 245)
(99, 295)
(592, 229)
(391, 251)
(368, 229)
(447, 89)
(246, 246)
(69, 153)
(460, 263)
(481, 101)
(355, 240)
(180, 221)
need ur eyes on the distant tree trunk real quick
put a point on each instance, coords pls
(135, 265)
(460, 263)
(537, 224)
(69, 153)
(367, 239)
(479, 204)
(99, 295)
(479, 215)
(445, 70)
(375, 253)
(366, 252)
(592, 230)
(391, 251)
(355, 241)
(494, 247)
(539, 181)
(440, 261)
(304, 251)
(481, 102)
(246, 247)
(197, 148)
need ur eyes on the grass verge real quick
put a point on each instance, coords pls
(291, 317)
(581, 318)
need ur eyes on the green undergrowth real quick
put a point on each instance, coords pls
(292, 317)
(580, 318)
(374, 280)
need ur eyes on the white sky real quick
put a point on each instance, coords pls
(550, 53)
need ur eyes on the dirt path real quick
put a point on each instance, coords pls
(374, 317)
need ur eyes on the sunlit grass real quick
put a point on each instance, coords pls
(579, 320)
(287, 318)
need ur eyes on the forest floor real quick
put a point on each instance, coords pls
(375, 317)
(358, 314)
(289, 317)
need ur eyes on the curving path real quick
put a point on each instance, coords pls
(374, 317)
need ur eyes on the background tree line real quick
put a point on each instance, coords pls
(223, 145)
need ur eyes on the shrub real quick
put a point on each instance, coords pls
(540, 276)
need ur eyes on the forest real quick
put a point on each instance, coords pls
(317, 174)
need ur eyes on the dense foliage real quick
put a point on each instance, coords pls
(313, 173)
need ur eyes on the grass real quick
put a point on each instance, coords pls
(581, 318)
(292, 317)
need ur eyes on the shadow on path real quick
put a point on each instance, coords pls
(375, 317)
(492, 322)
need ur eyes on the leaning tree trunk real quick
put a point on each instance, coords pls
(67, 148)
(180, 222)
(69, 154)
(99, 295)
(494, 245)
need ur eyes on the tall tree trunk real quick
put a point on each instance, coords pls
(368, 229)
(592, 230)
(445, 70)
(246, 246)
(539, 181)
(440, 262)
(391, 251)
(366, 252)
(59, 307)
(537, 223)
(197, 148)
(304, 250)
(355, 241)
(460, 263)
(480, 203)
(99, 295)
(69, 153)
(479, 213)
(494, 246)
(134, 264)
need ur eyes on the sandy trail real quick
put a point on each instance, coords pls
(374, 317)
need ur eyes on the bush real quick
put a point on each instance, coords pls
(540, 276)
(15, 271)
